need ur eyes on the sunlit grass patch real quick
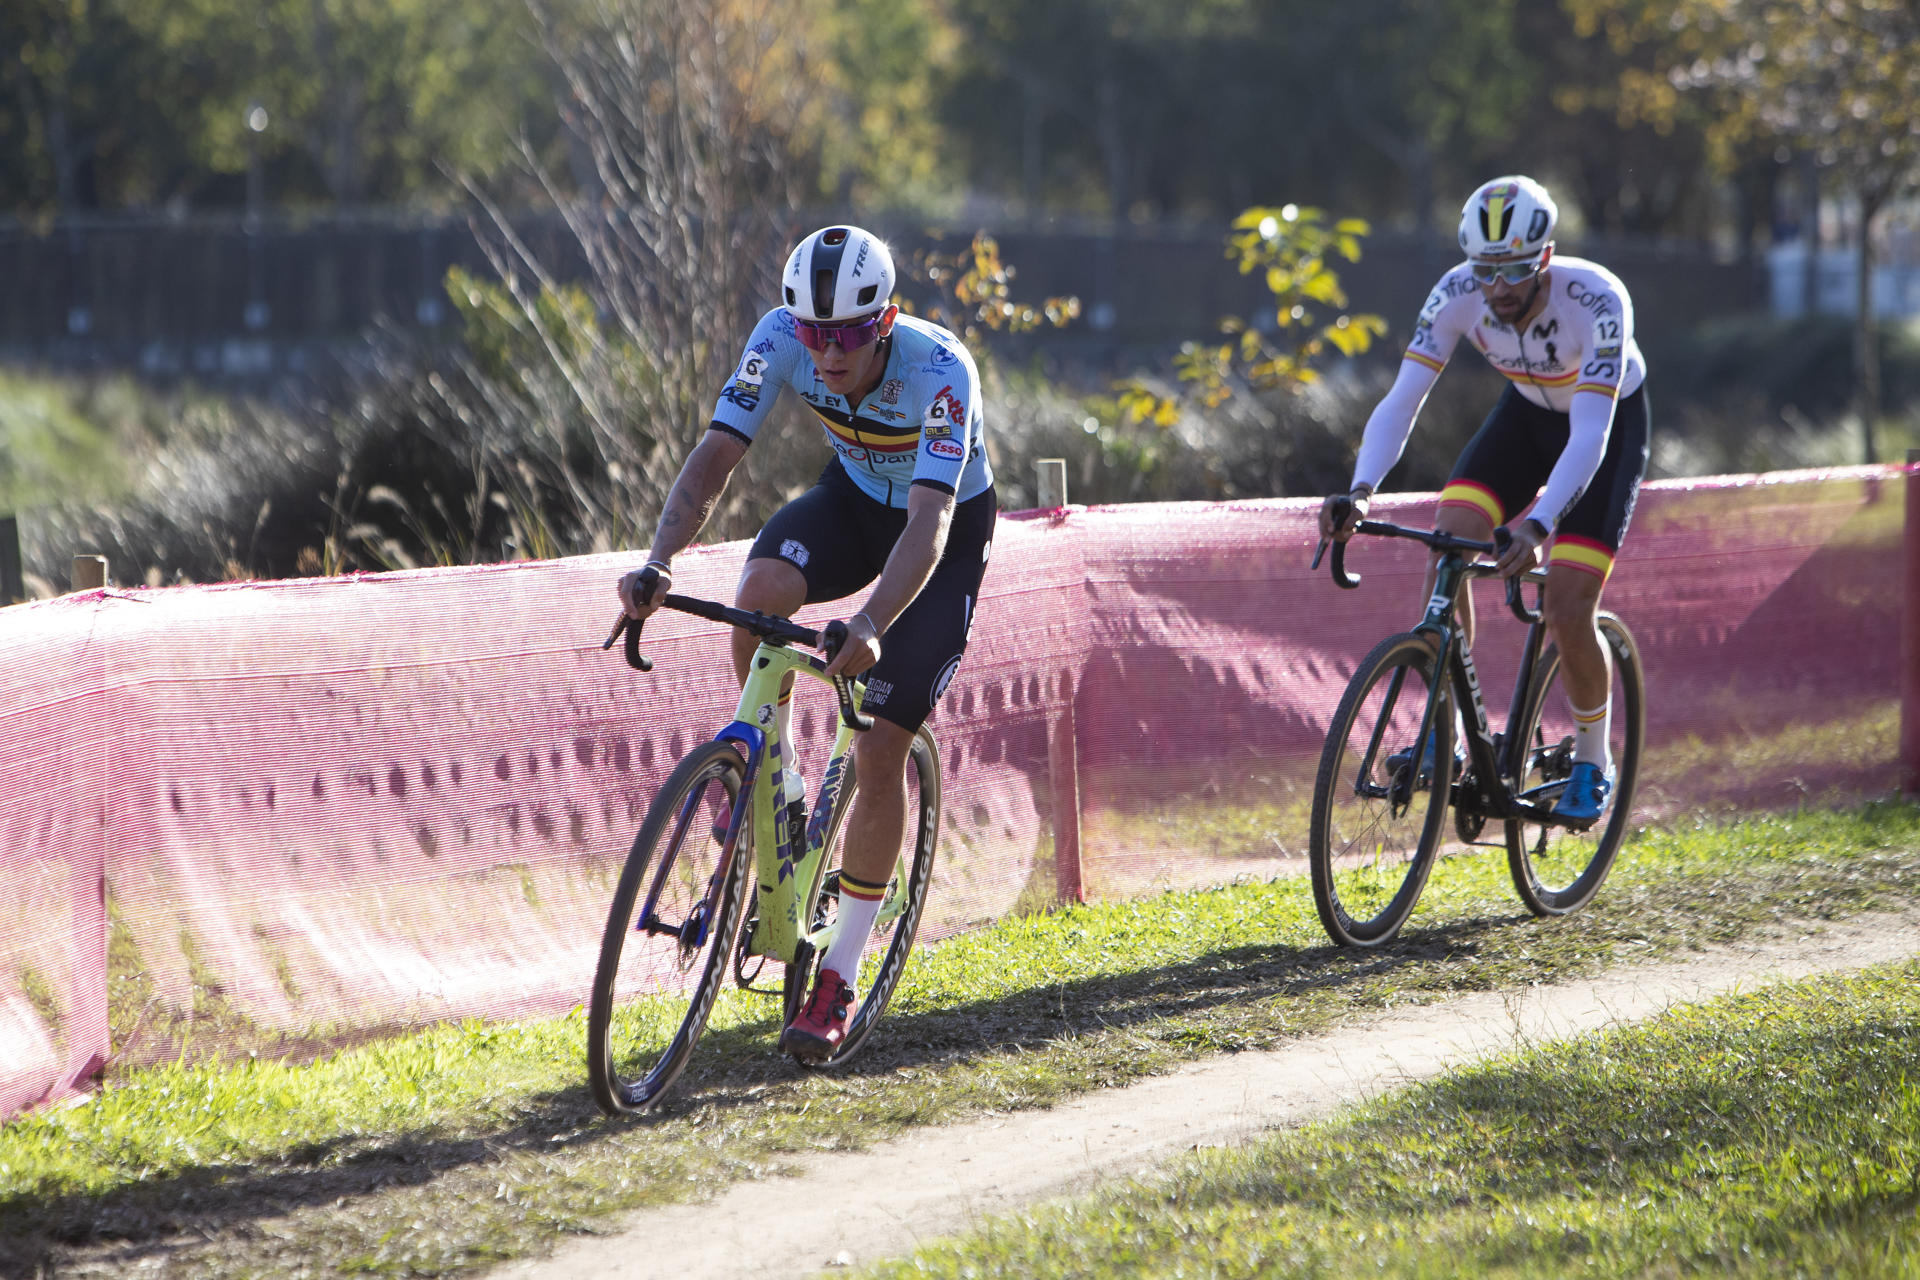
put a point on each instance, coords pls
(1771, 1132)
(1808, 759)
(486, 1132)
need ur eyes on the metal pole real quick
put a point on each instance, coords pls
(1050, 476)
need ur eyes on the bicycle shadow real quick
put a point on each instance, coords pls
(733, 1068)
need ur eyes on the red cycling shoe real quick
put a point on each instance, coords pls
(820, 1028)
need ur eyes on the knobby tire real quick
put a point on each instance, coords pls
(1376, 825)
(1556, 870)
(631, 1062)
(879, 979)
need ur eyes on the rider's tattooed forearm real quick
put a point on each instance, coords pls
(680, 512)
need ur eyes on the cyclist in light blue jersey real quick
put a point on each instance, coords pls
(920, 423)
(906, 505)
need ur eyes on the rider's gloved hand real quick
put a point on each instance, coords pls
(1355, 505)
(641, 590)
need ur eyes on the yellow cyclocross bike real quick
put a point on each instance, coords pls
(720, 823)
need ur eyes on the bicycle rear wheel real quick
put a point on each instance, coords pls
(669, 934)
(1556, 869)
(1377, 812)
(906, 898)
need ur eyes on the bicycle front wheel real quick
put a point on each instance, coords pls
(906, 899)
(1378, 805)
(1556, 869)
(669, 934)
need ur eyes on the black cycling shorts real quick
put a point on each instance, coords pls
(1511, 455)
(839, 538)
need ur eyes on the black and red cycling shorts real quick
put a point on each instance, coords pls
(1502, 468)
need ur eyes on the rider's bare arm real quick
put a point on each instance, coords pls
(702, 479)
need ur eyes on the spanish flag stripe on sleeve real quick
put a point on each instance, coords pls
(1419, 357)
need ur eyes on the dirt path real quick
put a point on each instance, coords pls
(863, 1206)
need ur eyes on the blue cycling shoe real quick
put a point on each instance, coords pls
(1586, 794)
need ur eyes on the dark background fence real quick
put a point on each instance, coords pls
(223, 299)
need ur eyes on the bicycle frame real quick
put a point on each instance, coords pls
(1497, 762)
(1490, 755)
(788, 876)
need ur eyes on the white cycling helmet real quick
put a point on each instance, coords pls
(1508, 218)
(837, 274)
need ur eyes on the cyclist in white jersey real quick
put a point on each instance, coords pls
(906, 505)
(1571, 427)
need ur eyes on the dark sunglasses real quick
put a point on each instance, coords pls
(1512, 272)
(851, 337)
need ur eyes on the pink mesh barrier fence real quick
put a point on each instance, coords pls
(326, 807)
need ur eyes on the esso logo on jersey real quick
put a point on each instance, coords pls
(946, 449)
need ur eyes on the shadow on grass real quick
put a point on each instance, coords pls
(731, 1069)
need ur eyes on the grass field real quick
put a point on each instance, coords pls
(1769, 1133)
(452, 1148)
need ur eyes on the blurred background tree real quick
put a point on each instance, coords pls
(1834, 81)
(1642, 109)
(636, 168)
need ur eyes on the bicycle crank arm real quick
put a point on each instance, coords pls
(1543, 815)
(670, 930)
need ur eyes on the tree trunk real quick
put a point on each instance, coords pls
(59, 137)
(1113, 147)
(1032, 150)
(1866, 346)
(1810, 233)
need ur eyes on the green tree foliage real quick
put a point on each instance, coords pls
(1627, 173)
(1290, 248)
(1104, 106)
(974, 294)
(1837, 78)
(83, 105)
(1123, 108)
(1206, 108)
(365, 98)
(114, 103)
(874, 133)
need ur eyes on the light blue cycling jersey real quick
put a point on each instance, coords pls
(921, 424)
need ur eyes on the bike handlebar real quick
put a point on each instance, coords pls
(765, 625)
(1438, 541)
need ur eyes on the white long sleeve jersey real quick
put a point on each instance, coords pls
(1577, 357)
